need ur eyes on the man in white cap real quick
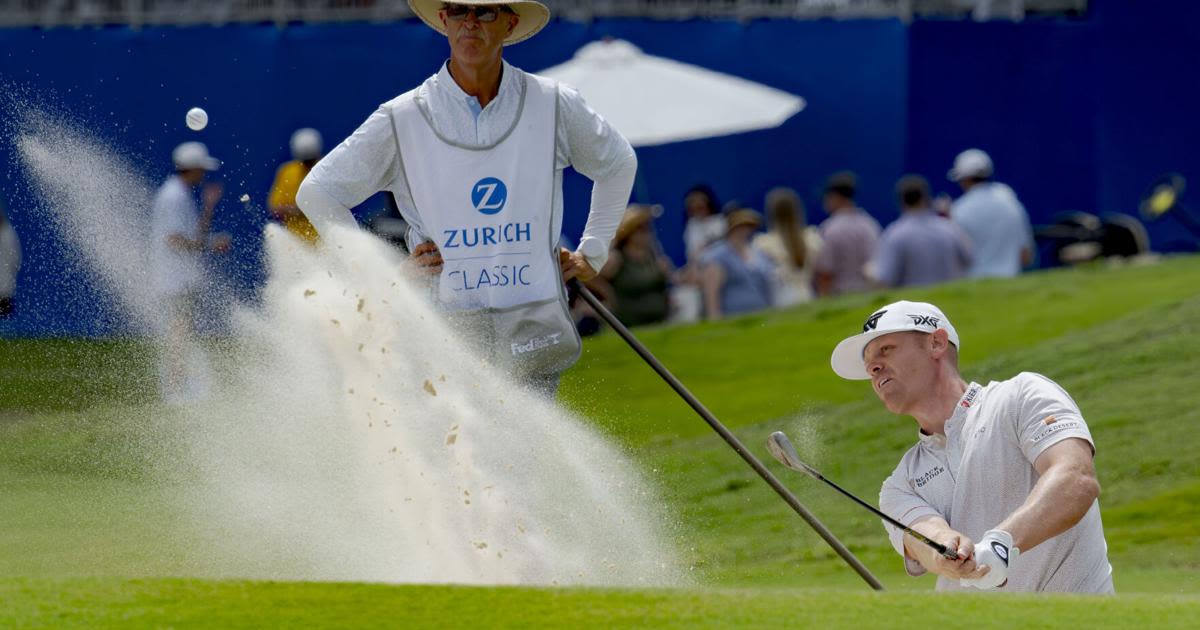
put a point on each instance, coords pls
(474, 157)
(990, 213)
(179, 237)
(1007, 464)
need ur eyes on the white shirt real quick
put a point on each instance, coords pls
(998, 226)
(981, 471)
(10, 259)
(365, 163)
(175, 271)
(700, 232)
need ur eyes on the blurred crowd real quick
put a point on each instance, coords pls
(737, 261)
(737, 258)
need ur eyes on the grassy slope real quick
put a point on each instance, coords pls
(76, 501)
(190, 604)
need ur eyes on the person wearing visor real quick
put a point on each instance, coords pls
(1001, 472)
(474, 157)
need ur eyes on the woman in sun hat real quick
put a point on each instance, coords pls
(736, 277)
(474, 157)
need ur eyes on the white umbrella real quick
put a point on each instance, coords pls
(653, 100)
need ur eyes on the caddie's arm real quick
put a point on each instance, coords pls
(1063, 494)
(600, 153)
(362, 165)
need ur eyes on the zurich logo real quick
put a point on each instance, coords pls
(489, 195)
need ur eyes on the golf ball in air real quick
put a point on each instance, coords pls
(197, 119)
(245, 199)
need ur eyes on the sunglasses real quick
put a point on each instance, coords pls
(459, 12)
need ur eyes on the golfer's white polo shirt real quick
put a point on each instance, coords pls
(982, 470)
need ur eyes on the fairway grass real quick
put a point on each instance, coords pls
(198, 604)
(90, 538)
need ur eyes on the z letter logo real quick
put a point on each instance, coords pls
(873, 321)
(489, 195)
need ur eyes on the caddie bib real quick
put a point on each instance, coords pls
(489, 211)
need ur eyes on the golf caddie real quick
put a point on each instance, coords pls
(474, 157)
(1001, 472)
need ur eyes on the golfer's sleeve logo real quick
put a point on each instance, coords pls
(489, 195)
(873, 321)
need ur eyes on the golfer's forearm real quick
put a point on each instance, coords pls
(322, 210)
(610, 196)
(1058, 501)
(935, 529)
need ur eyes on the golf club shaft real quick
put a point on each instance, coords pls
(942, 549)
(729, 438)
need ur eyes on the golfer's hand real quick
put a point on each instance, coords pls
(995, 552)
(574, 265)
(962, 568)
(427, 258)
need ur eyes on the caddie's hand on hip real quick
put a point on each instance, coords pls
(574, 265)
(427, 258)
(996, 552)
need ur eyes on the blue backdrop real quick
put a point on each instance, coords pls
(1078, 113)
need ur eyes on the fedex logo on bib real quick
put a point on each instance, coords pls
(489, 195)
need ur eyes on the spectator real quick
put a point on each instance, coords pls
(736, 277)
(791, 244)
(306, 145)
(992, 216)
(705, 224)
(921, 247)
(849, 237)
(10, 263)
(637, 271)
(179, 236)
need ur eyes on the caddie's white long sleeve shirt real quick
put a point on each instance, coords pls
(366, 162)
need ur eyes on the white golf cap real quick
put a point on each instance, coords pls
(307, 144)
(970, 163)
(533, 15)
(847, 359)
(191, 155)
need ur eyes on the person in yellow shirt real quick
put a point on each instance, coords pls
(306, 145)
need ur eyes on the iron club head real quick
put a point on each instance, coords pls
(781, 449)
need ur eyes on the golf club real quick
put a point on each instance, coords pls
(782, 449)
(729, 438)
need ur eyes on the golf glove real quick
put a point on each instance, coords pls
(994, 550)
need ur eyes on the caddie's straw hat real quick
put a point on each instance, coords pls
(847, 359)
(534, 15)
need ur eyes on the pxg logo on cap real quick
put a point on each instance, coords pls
(489, 195)
(873, 321)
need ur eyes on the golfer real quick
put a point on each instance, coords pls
(474, 157)
(1001, 472)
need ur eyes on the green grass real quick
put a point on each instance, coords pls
(83, 511)
(197, 604)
